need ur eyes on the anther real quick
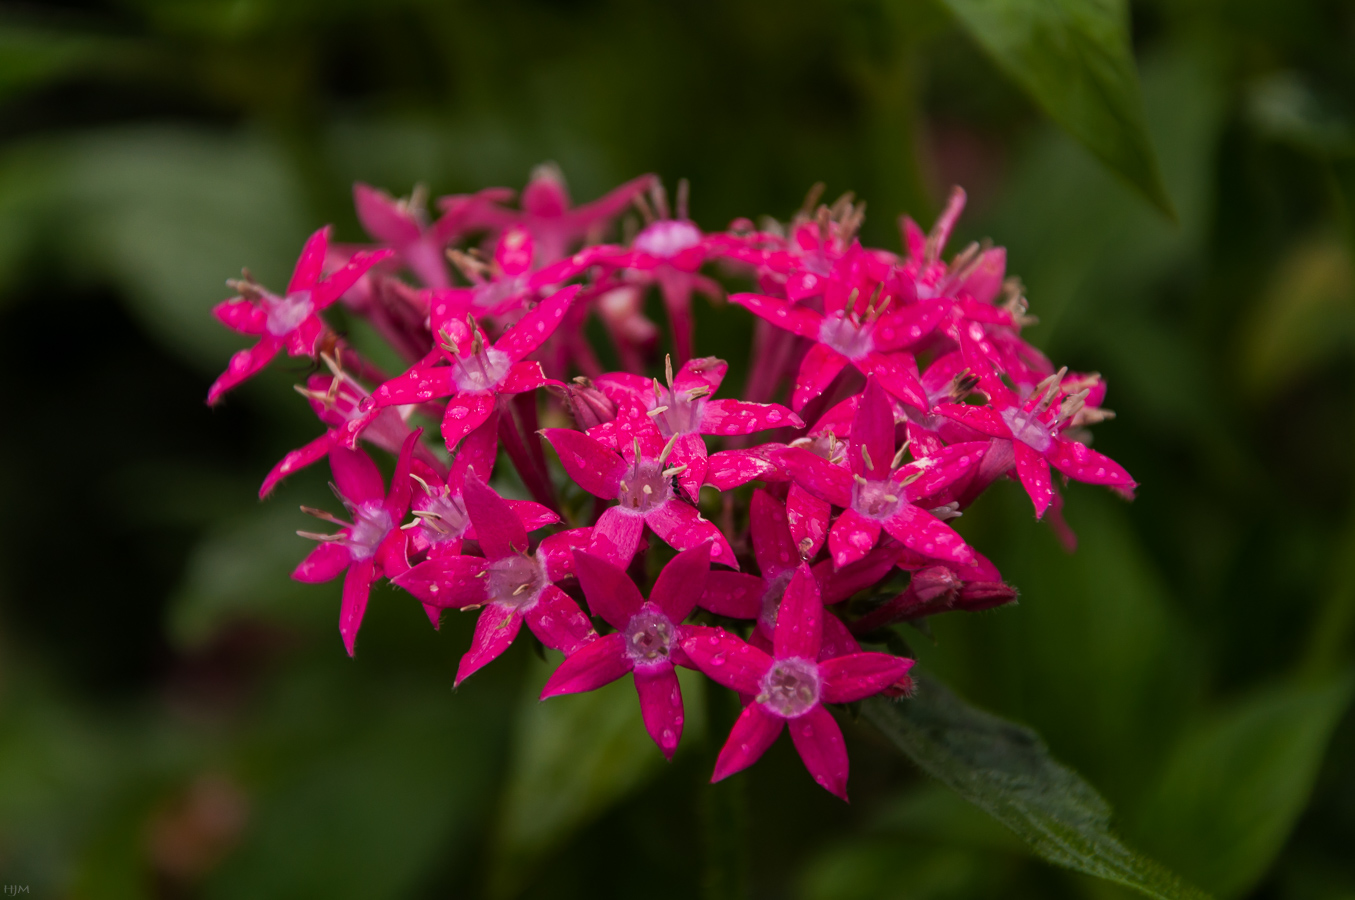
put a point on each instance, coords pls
(667, 449)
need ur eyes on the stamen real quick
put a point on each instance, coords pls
(898, 457)
(865, 456)
(668, 448)
(675, 470)
(668, 369)
(324, 538)
(423, 483)
(324, 516)
(657, 411)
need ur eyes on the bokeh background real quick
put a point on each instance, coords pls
(178, 719)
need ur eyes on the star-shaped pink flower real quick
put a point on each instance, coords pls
(510, 584)
(370, 546)
(790, 686)
(291, 321)
(647, 641)
(403, 226)
(640, 479)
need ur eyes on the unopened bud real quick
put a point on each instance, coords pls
(588, 405)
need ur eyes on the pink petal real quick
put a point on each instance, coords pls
(1082, 463)
(983, 282)
(682, 527)
(753, 732)
(338, 283)
(807, 516)
(837, 585)
(928, 535)
(357, 587)
(782, 313)
(382, 218)
(660, 705)
(872, 433)
(610, 592)
(497, 528)
(725, 659)
(557, 620)
(945, 222)
(734, 594)
(556, 551)
(943, 469)
(522, 377)
(852, 537)
(476, 454)
(817, 370)
(847, 679)
(311, 262)
(514, 250)
(446, 581)
(799, 622)
(465, 413)
(494, 632)
(980, 418)
(296, 460)
(594, 664)
(531, 330)
(707, 372)
(943, 371)
(532, 515)
(242, 316)
(905, 327)
(592, 466)
(243, 364)
(325, 563)
(818, 739)
(837, 640)
(739, 417)
(356, 476)
(419, 384)
(690, 451)
(397, 501)
(895, 371)
(729, 469)
(616, 536)
(1033, 470)
(773, 545)
(682, 582)
(817, 475)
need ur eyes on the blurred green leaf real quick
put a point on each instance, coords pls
(882, 869)
(1286, 107)
(1236, 784)
(1075, 60)
(1006, 770)
(30, 56)
(574, 757)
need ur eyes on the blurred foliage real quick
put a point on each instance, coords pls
(177, 718)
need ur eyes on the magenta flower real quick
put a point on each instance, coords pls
(877, 493)
(292, 321)
(510, 584)
(473, 372)
(370, 546)
(1033, 432)
(640, 479)
(647, 641)
(683, 410)
(403, 226)
(790, 686)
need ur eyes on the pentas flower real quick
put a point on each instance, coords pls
(878, 493)
(640, 479)
(370, 546)
(1032, 431)
(472, 371)
(290, 322)
(790, 686)
(510, 584)
(403, 226)
(647, 641)
(938, 587)
(683, 410)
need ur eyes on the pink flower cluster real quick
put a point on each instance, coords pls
(910, 370)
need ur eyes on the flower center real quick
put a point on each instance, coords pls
(668, 238)
(682, 416)
(875, 499)
(1027, 428)
(371, 524)
(443, 519)
(481, 372)
(286, 313)
(643, 487)
(791, 687)
(649, 636)
(851, 339)
(515, 581)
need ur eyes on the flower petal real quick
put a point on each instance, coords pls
(725, 659)
(1033, 470)
(729, 469)
(799, 622)
(592, 466)
(446, 581)
(356, 476)
(807, 516)
(556, 551)
(852, 537)
(557, 620)
(1081, 463)
(660, 705)
(942, 469)
(773, 546)
(980, 418)
(734, 594)
(682, 527)
(682, 582)
(616, 536)
(383, 218)
(872, 433)
(903, 328)
(465, 413)
(817, 370)
(818, 739)
(753, 732)
(243, 364)
(817, 475)
(594, 664)
(497, 527)
(310, 262)
(419, 384)
(325, 563)
(740, 417)
(522, 377)
(895, 372)
(531, 330)
(846, 679)
(494, 632)
(610, 592)
(800, 320)
(928, 535)
(242, 316)
(357, 587)
(296, 460)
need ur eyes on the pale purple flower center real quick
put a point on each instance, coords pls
(1027, 428)
(849, 338)
(515, 581)
(451, 522)
(683, 416)
(649, 636)
(481, 372)
(286, 313)
(644, 487)
(791, 687)
(668, 238)
(371, 524)
(875, 499)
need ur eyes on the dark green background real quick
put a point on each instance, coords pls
(1191, 660)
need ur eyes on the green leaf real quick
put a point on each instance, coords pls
(1073, 57)
(1006, 770)
(1236, 784)
(573, 758)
